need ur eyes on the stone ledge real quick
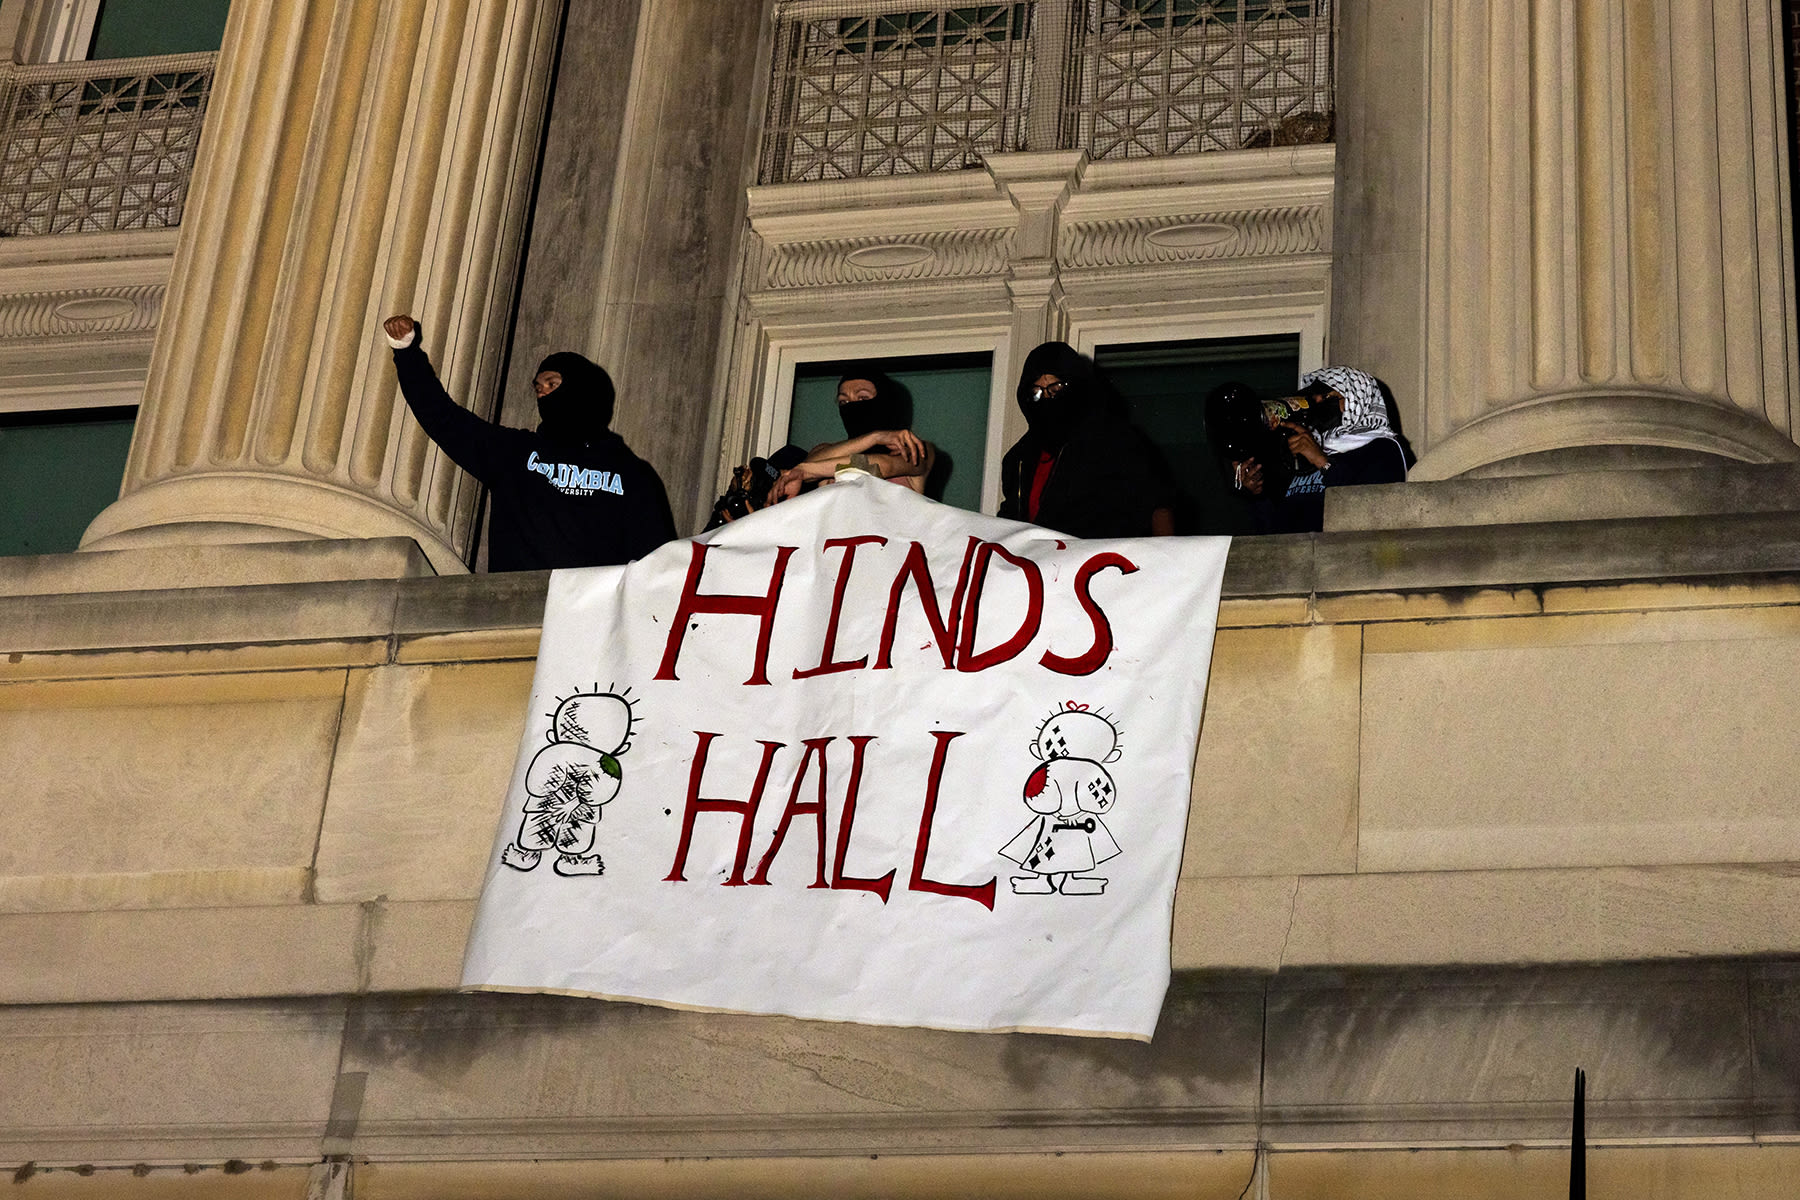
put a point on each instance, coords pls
(1571, 496)
(172, 567)
(1261, 924)
(1304, 1060)
(62, 603)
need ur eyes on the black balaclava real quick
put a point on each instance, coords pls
(885, 410)
(1053, 418)
(581, 407)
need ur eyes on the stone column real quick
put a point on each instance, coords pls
(1591, 200)
(359, 159)
(665, 294)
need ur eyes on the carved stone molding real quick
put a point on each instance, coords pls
(81, 312)
(1246, 233)
(948, 254)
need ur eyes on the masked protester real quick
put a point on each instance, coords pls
(1081, 468)
(571, 494)
(877, 440)
(1334, 432)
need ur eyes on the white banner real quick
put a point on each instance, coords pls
(860, 757)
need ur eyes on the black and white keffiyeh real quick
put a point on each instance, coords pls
(1365, 412)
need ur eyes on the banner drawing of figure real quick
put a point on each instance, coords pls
(1070, 791)
(570, 780)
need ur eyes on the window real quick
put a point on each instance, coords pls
(1154, 77)
(1165, 385)
(58, 469)
(109, 143)
(140, 28)
(886, 89)
(49, 31)
(949, 395)
(896, 93)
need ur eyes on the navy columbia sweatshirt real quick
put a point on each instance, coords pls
(571, 493)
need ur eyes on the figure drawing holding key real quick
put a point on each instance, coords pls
(1070, 791)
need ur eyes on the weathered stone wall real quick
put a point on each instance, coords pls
(250, 797)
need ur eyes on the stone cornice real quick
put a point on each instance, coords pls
(1102, 218)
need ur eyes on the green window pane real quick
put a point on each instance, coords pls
(57, 471)
(949, 410)
(138, 28)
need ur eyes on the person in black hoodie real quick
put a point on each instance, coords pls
(571, 494)
(1081, 468)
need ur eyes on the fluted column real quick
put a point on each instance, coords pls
(1604, 244)
(359, 159)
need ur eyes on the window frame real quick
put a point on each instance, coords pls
(786, 355)
(1309, 321)
(50, 31)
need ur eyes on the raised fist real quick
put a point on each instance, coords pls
(399, 327)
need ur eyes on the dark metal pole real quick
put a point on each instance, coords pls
(1578, 1141)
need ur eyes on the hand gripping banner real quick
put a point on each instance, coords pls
(860, 757)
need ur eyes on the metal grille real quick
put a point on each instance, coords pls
(94, 146)
(887, 91)
(1156, 77)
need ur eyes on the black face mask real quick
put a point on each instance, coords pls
(1053, 418)
(581, 407)
(881, 412)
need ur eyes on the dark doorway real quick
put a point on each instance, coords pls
(1165, 385)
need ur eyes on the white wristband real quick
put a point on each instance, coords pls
(412, 335)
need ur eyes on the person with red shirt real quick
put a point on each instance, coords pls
(1082, 468)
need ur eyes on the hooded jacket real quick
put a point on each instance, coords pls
(570, 493)
(1105, 477)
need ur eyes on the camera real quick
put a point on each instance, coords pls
(748, 492)
(750, 485)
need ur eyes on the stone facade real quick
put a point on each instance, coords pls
(1428, 794)
(1493, 780)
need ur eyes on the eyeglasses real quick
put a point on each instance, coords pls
(1049, 390)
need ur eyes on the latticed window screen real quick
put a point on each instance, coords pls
(896, 92)
(881, 89)
(94, 146)
(1154, 77)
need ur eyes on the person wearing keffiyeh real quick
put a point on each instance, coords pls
(1344, 439)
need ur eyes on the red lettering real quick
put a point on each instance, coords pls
(982, 894)
(694, 602)
(815, 808)
(838, 878)
(967, 659)
(826, 665)
(1095, 656)
(943, 632)
(696, 804)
